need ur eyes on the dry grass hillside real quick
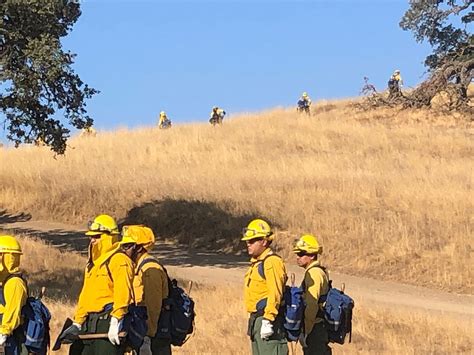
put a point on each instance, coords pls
(221, 330)
(389, 193)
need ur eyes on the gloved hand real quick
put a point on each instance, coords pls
(113, 333)
(70, 334)
(303, 340)
(145, 349)
(266, 331)
(3, 339)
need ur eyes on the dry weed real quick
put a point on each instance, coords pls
(389, 193)
(221, 319)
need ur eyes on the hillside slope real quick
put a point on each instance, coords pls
(389, 193)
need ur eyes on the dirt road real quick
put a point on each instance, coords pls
(220, 269)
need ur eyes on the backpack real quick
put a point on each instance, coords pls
(337, 311)
(338, 315)
(36, 322)
(293, 306)
(36, 326)
(134, 322)
(176, 320)
(392, 84)
(294, 312)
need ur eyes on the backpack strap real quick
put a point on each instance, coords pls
(261, 265)
(322, 298)
(9, 277)
(107, 264)
(146, 261)
(262, 304)
(153, 260)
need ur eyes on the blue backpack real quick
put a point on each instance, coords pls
(294, 312)
(337, 311)
(338, 315)
(177, 314)
(36, 322)
(135, 324)
(36, 326)
(293, 306)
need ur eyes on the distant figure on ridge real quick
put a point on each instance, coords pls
(164, 122)
(88, 132)
(395, 84)
(217, 116)
(304, 104)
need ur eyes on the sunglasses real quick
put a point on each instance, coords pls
(301, 253)
(251, 241)
(128, 246)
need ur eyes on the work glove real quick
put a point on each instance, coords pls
(70, 334)
(145, 349)
(302, 340)
(113, 333)
(266, 330)
(3, 339)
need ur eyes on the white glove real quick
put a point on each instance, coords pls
(3, 339)
(266, 331)
(70, 333)
(145, 349)
(113, 333)
(303, 340)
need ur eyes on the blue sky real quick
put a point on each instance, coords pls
(186, 56)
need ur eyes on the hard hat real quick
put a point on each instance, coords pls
(305, 94)
(215, 107)
(258, 228)
(9, 244)
(102, 224)
(138, 234)
(308, 244)
(162, 113)
(397, 71)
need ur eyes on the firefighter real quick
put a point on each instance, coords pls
(263, 291)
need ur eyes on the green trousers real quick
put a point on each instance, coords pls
(96, 346)
(317, 341)
(275, 345)
(160, 346)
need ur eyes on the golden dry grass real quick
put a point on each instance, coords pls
(389, 193)
(221, 318)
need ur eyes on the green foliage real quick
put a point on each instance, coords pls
(444, 24)
(37, 82)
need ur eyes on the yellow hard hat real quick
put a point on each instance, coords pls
(138, 234)
(309, 244)
(258, 228)
(9, 244)
(162, 113)
(305, 94)
(102, 224)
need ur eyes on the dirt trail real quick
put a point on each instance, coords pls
(219, 269)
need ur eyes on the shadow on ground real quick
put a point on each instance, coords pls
(6, 217)
(59, 238)
(206, 233)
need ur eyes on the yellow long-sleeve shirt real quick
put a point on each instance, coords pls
(100, 288)
(270, 288)
(150, 286)
(315, 284)
(15, 294)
